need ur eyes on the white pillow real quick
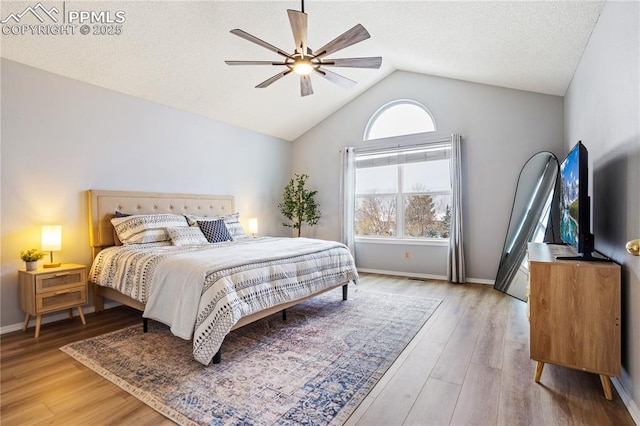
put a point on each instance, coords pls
(234, 227)
(146, 228)
(192, 219)
(231, 221)
(186, 236)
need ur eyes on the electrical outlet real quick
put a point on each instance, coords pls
(407, 255)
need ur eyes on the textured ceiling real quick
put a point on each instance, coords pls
(173, 52)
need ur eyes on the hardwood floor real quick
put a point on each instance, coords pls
(468, 365)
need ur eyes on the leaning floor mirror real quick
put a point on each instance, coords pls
(530, 216)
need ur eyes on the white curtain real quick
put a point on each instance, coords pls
(455, 258)
(347, 199)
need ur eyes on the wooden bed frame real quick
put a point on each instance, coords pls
(102, 207)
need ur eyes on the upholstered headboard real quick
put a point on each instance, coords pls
(103, 206)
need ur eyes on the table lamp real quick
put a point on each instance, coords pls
(253, 226)
(51, 241)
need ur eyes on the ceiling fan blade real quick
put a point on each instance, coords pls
(305, 85)
(253, 63)
(298, 22)
(245, 35)
(276, 77)
(341, 81)
(371, 62)
(351, 37)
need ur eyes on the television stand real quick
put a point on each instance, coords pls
(574, 312)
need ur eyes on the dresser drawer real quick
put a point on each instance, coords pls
(61, 280)
(61, 299)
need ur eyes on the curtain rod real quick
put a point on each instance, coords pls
(364, 150)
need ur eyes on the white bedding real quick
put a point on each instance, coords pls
(201, 292)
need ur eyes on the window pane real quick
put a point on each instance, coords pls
(427, 216)
(400, 119)
(377, 180)
(376, 216)
(429, 176)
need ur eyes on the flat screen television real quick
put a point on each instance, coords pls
(575, 203)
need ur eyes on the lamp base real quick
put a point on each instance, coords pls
(51, 265)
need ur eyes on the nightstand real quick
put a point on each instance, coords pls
(52, 289)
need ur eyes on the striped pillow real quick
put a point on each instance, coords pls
(192, 219)
(186, 236)
(146, 228)
(234, 227)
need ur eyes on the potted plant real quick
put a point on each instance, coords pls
(31, 257)
(299, 204)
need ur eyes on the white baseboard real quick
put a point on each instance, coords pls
(53, 318)
(627, 400)
(403, 274)
(423, 276)
(480, 281)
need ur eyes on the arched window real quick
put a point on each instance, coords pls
(402, 190)
(400, 117)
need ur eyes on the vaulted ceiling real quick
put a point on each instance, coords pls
(173, 52)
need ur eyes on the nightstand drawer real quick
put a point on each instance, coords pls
(61, 299)
(56, 281)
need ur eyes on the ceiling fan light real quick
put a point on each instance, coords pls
(303, 68)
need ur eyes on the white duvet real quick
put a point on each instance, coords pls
(202, 292)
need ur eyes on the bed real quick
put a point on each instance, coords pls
(202, 291)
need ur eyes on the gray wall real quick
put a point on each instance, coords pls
(602, 109)
(501, 128)
(61, 137)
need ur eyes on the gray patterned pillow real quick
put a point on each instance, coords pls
(186, 236)
(146, 228)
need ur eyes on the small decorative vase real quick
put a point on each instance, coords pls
(32, 266)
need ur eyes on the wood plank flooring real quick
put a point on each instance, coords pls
(469, 365)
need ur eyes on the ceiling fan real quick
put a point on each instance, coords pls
(304, 61)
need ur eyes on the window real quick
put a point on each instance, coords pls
(405, 191)
(401, 117)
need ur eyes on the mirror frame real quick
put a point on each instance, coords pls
(532, 205)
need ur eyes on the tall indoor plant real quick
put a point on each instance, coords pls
(299, 204)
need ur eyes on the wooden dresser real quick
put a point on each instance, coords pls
(574, 312)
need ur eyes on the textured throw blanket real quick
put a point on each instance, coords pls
(201, 292)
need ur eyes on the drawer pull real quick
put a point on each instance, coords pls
(62, 274)
(62, 292)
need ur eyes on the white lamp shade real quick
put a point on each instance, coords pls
(253, 225)
(51, 238)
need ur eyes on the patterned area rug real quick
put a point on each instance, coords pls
(315, 368)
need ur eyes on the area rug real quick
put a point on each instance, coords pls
(314, 368)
